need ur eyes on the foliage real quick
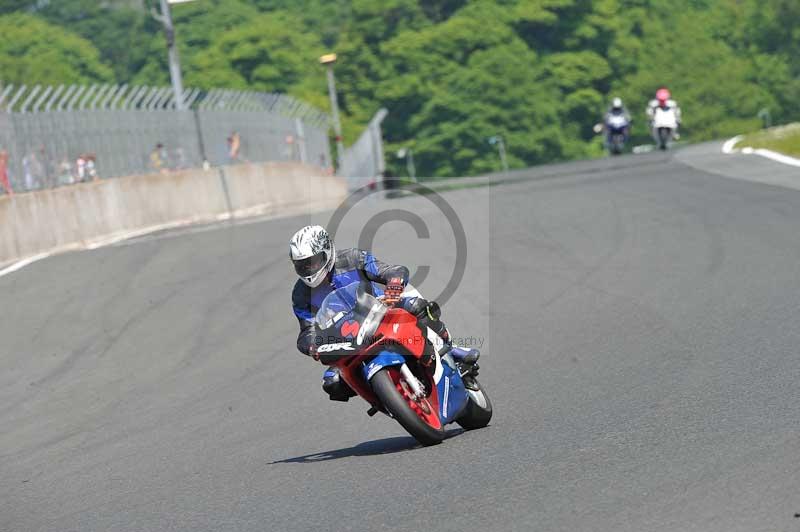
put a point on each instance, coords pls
(451, 72)
(198, 26)
(35, 52)
(120, 34)
(268, 53)
(15, 6)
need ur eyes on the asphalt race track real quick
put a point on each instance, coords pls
(640, 320)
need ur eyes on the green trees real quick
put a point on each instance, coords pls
(267, 53)
(33, 51)
(197, 27)
(716, 87)
(121, 35)
(451, 72)
(463, 81)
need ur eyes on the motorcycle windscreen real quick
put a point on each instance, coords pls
(617, 123)
(349, 315)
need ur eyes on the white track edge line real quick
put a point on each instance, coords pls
(778, 157)
(22, 263)
(729, 147)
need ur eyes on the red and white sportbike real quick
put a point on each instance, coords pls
(396, 365)
(665, 125)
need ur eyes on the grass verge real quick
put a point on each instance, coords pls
(783, 139)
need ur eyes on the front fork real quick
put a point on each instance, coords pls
(413, 382)
(416, 387)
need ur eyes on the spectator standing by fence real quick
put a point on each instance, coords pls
(64, 173)
(234, 145)
(4, 173)
(32, 171)
(80, 169)
(42, 144)
(158, 158)
(86, 167)
(91, 166)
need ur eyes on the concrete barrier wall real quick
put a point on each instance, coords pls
(281, 188)
(90, 214)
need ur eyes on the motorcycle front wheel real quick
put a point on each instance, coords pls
(417, 416)
(478, 412)
(664, 134)
(615, 143)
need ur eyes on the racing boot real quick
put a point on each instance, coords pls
(429, 315)
(467, 360)
(335, 387)
(467, 357)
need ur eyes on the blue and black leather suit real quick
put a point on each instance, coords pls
(352, 265)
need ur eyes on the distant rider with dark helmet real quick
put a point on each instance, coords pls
(322, 269)
(617, 108)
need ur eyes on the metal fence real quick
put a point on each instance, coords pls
(53, 136)
(363, 161)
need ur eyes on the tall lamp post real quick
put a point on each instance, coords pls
(165, 17)
(328, 60)
(408, 155)
(498, 141)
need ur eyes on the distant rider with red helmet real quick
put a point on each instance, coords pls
(664, 100)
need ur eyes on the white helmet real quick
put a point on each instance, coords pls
(616, 103)
(313, 254)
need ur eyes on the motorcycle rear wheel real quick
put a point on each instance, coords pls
(416, 416)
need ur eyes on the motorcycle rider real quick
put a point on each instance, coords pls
(322, 268)
(664, 100)
(617, 108)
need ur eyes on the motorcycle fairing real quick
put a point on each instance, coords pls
(453, 396)
(399, 327)
(397, 339)
(665, 118)
(384, 359)
(449, 395)
(617, 124)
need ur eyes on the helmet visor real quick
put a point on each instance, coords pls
(310, 265)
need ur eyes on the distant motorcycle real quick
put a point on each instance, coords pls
(393, 362)
(665, 124)
(616, 128)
